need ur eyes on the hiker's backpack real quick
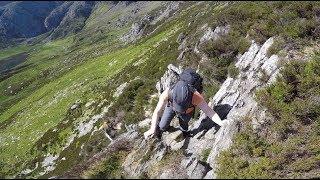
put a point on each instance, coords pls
(194, 81)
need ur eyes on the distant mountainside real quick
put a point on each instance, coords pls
(26, 19)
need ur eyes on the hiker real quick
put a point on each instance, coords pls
(181, 100)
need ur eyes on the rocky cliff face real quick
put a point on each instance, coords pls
(60, 19)
(74, 16)
(138, 28)
(239, 94)
(56, 16)
(195, 156)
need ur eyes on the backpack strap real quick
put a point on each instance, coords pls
(170, 94)
(161, 87)
(193, 106)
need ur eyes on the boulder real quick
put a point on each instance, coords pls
(214, 35)
(169, 78)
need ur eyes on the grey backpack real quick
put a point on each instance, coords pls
(193, 79)
(189, 82)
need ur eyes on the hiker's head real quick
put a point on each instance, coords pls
(181, 96)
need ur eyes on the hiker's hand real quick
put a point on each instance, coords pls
(217, 119)
(148, 134)
(224, 122)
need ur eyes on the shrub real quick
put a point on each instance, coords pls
(277, 45)
(290, 144)
(109, 168)
(205, 154)
(233, 71)
(227, 46)
(304, 165)
(220, 70)
(222, 52)
(266, 19)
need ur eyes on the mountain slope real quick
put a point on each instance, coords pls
(106, 67)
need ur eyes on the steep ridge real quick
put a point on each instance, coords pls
(233, 101)
(239, 94)
(108, 72)
(236, 95)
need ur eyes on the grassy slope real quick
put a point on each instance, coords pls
(236, 164)
(43, 103)
(41, 58)
(45, 107)
(12, 51)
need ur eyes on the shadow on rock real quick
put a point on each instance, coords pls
(206, 124)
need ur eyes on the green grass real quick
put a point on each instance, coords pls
(233, 71)
(205, 154)
(43, 59)
(47, 106)
(4, 53)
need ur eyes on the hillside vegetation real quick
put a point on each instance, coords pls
(53, 100)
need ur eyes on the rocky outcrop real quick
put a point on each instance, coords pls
(123, 142)
(144, 156)
(74, 19)
(209, 34)
(239, 93)
(137, 29)
(169, 78)
(120, 89)
(214, 35)
(172, 6)
(232, 102)
(218, 32)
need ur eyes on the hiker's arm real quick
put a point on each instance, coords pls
(210, 112)
(199, 101)
(157, 112)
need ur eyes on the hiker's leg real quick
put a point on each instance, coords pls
(166, 118)
(184, 120)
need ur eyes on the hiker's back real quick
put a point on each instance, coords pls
(194, 79)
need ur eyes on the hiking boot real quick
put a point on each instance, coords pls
(172, 129)
(158, 134)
